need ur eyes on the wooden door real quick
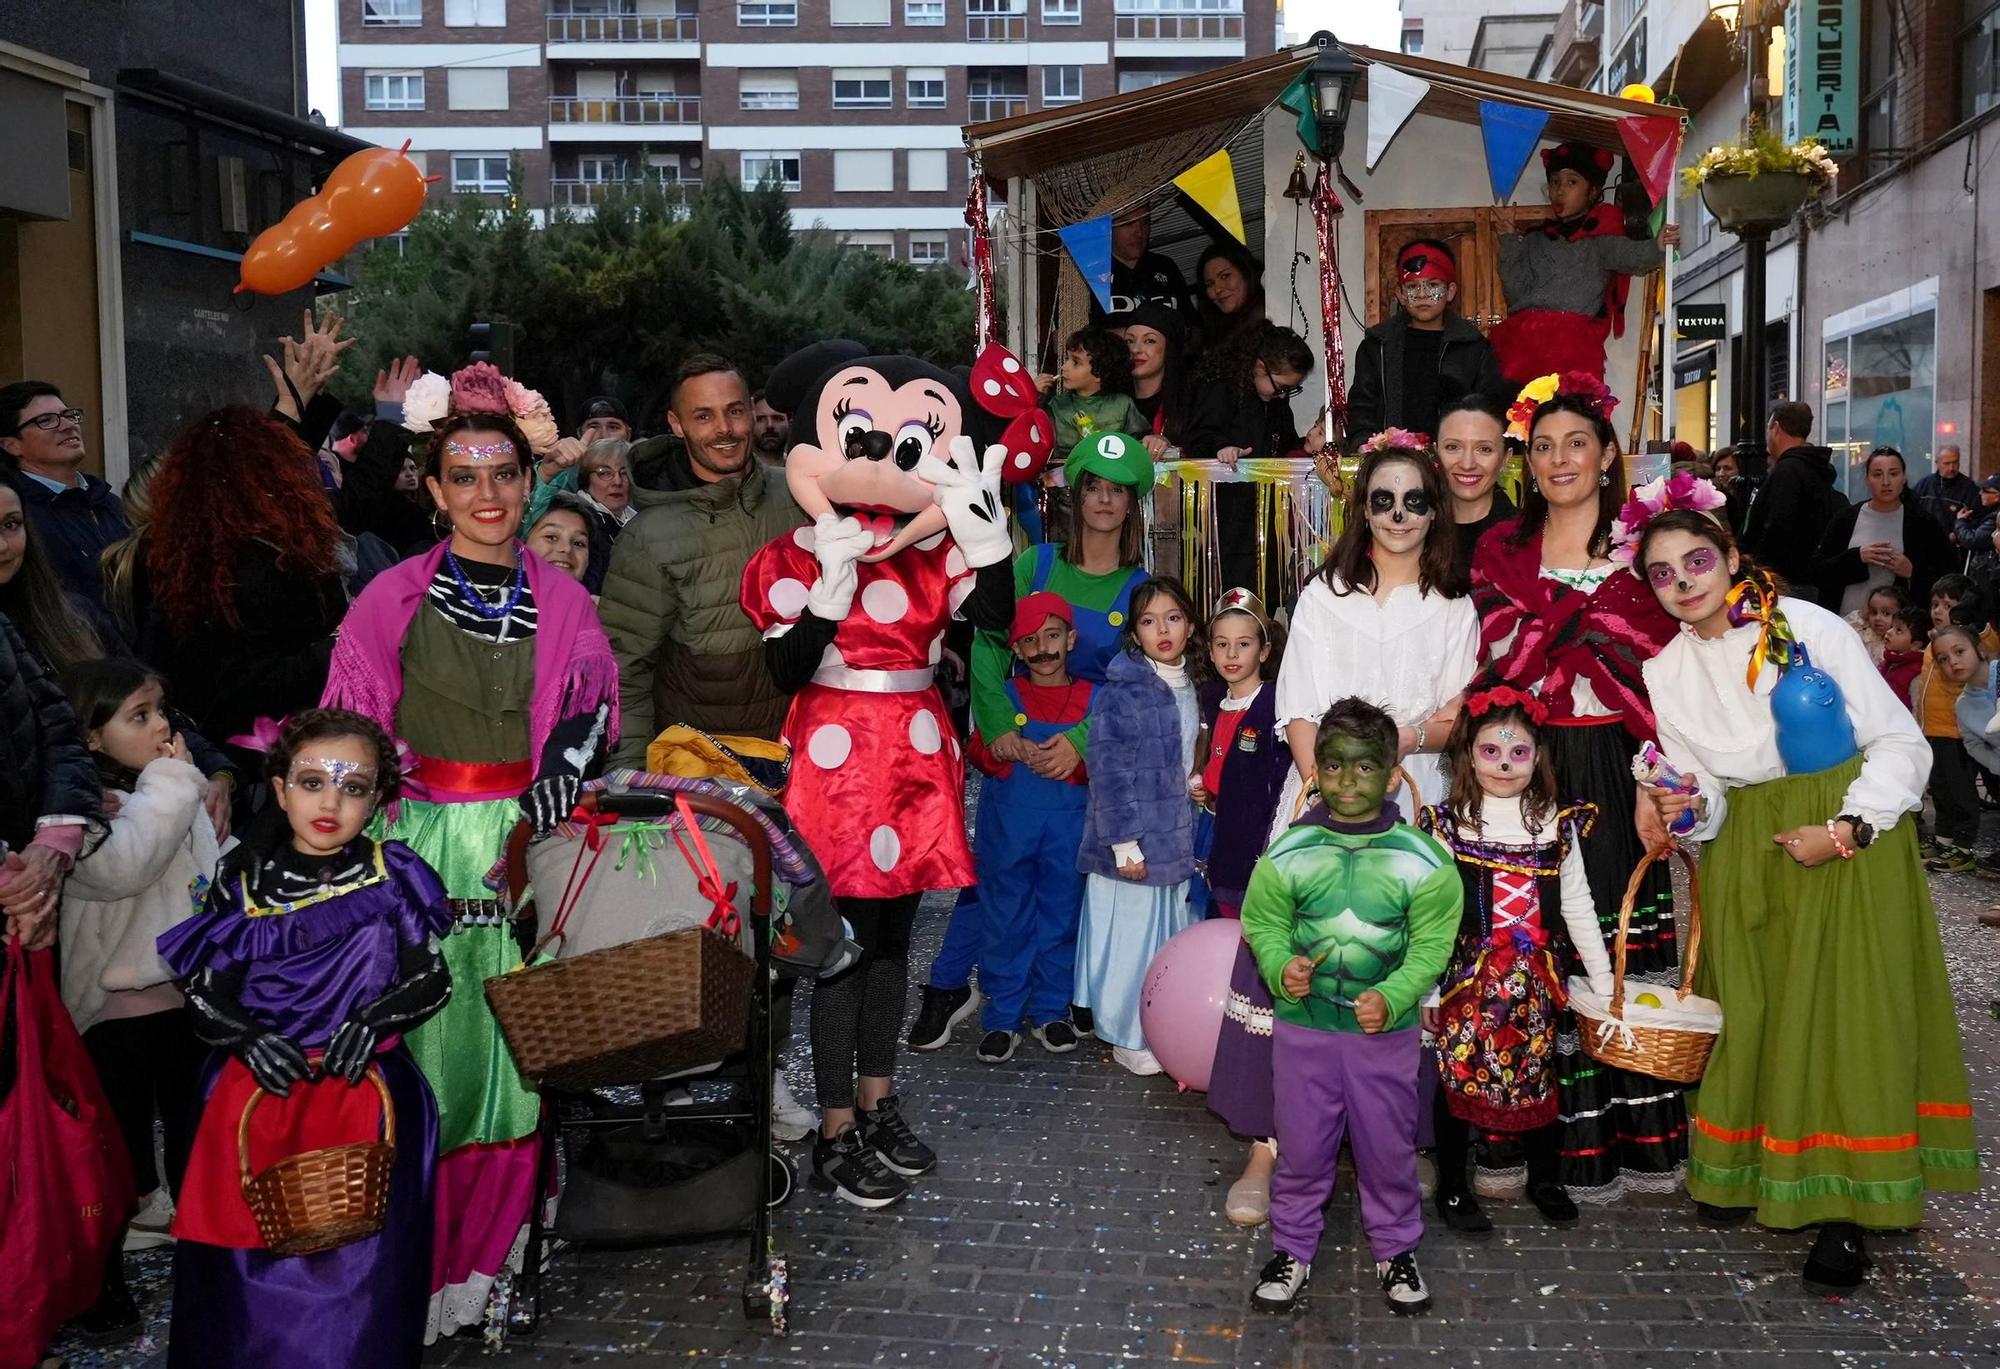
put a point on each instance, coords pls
(1473, 234)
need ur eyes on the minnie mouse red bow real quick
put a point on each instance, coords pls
(1002, 386)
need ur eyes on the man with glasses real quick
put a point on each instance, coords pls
(75, 515)
(1409, 368)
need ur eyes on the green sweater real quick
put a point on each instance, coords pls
(1381, 906)
(1078, 416)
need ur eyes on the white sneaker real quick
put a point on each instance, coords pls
(791, 1120)
(1403, 1284)
(1138, 1062)
(154, 1224)
(1280, 1283)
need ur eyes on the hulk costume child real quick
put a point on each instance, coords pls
(1350, 915)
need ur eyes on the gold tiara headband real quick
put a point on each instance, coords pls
(1243, 601)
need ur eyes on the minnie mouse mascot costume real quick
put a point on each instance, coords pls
(899, 465)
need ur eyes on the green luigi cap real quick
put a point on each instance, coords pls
(1117, 457)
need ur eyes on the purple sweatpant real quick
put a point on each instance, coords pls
(1331, 1085)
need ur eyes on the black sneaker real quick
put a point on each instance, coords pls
(995, 1047)
(1554, 1203)
(1708, 1214)
(851, 1168)
(1082, 1019)
(939, 1012)
(113, 1320)
(1838, 1262)
(1058, 1037)
(1463, 1214)
(1403, 1285)
(1280, 1283)
(890, 1135)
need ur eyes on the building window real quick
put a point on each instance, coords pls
(485, 14)
(874, 169)
(1881, 392)
(923, 14)
(996, 21)
(1062, 85)
(930, 168)
(767, 90)
(874, 244)
(392, 14)
(479, 173)
(1878, 81)
(393, 89)
(475, 87)
(781, 167)
(923, 88)
(1145, 80)
(600, 169)
(931, 249)
(1979, 59)
(1413, 37)
(858, 13)
(767, 14)
(1062, 11)
(863, 88)
(996, 92)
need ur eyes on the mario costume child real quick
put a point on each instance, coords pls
(1031, 894)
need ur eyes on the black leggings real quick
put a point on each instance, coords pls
(1952, 792)
(1540, 1148)
(858, 1014)
(149, 1067)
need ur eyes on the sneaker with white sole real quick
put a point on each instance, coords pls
(1138, 1062)
(851, 1168)
(998, 1046)
(939, 1013)
(154, 1225)
(1280, 1283)
(1403, 1284)
(883, 1128)
(1058, 1037)
(791, 1120)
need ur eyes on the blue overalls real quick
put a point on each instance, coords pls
(1097, 635)
(1030, 892)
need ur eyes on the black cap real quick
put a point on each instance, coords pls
(1152, 314)
(1991, 482)
(605, 406)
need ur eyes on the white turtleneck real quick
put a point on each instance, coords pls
(1500, 821)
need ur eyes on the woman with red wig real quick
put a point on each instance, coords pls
(242, 564)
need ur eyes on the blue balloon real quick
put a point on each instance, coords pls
(1811, 717)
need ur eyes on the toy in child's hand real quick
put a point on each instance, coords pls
(1651, 767)
(1814, 732)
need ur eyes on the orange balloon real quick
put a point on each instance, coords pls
(375, 192)
(277, 263)
(320, 235)
(369, 194)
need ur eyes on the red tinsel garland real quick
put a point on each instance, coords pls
(982, 253)
(1327, 208)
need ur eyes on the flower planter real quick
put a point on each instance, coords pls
(1756, 203)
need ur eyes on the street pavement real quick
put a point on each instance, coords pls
(1075, 1220)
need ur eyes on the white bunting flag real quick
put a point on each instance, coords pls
(1392, 97)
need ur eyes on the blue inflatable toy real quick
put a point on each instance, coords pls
(1811, 717)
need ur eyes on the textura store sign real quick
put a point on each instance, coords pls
(1822, 73)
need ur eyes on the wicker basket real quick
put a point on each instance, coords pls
(319, 1199)
(1623, 1038)
(626, 1013)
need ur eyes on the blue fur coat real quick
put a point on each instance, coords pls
(1139, 767)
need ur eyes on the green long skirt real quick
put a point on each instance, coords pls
(1837, 1089)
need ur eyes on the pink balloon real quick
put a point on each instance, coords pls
(1181, 1002)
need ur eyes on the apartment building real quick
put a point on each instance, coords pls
(853, 106)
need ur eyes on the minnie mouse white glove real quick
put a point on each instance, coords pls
(838, 544)
(967, 488)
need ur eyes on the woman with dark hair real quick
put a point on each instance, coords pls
(1229, 293)
(1559, 618)
(242, 560)
(1881, 540)
(1472, 448)
(1242, 409)
(1157, 338)
(491, 665)
(1836, 1094)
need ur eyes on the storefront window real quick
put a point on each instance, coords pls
(1979, 46)
(1889, 399)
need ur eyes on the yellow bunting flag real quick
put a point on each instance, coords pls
(1211, 183)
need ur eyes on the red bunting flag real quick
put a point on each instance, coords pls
(1652, 141)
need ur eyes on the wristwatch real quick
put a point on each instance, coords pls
(1863, 833)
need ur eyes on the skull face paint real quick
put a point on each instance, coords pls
(1503, 757)
(1399, 509)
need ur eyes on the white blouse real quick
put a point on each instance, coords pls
(1500, 821)
(1714, 727)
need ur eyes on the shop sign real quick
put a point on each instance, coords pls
(1700, 322)
(1822, 73)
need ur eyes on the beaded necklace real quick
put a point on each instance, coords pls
(476, 601)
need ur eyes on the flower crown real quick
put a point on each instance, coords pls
(480, 389)
(1397, 440)
(1655, 497)
(1480, 702)
(1540, 391)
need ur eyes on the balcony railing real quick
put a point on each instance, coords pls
(1182, 28)
(624, 28)
(996, 28)
(566, 193)
(625, 109)
(981, 108)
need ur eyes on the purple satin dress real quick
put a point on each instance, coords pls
(304, 970)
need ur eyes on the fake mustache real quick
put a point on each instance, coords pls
(1044, 658)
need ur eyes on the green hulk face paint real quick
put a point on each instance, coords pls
(1353, 777)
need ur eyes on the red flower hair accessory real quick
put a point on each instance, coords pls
(1483, 701)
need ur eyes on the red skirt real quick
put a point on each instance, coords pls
(877, 789)
(1532, 343)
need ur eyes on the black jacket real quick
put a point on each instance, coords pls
(45, 770)
(74, 527)
(1945, 499)
(1790, 513)
(1835, 565)
(1466, 365)
(1224, 414)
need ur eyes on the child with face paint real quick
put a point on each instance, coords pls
(1138, 835)
(1528, 920)
(1350, 916)
(1415, 365)
(1836, 1093)
(314, 957)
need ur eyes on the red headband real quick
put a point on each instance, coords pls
(1481, 702)
(1423, 261)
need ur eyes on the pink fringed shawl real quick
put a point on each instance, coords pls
(575, 671)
